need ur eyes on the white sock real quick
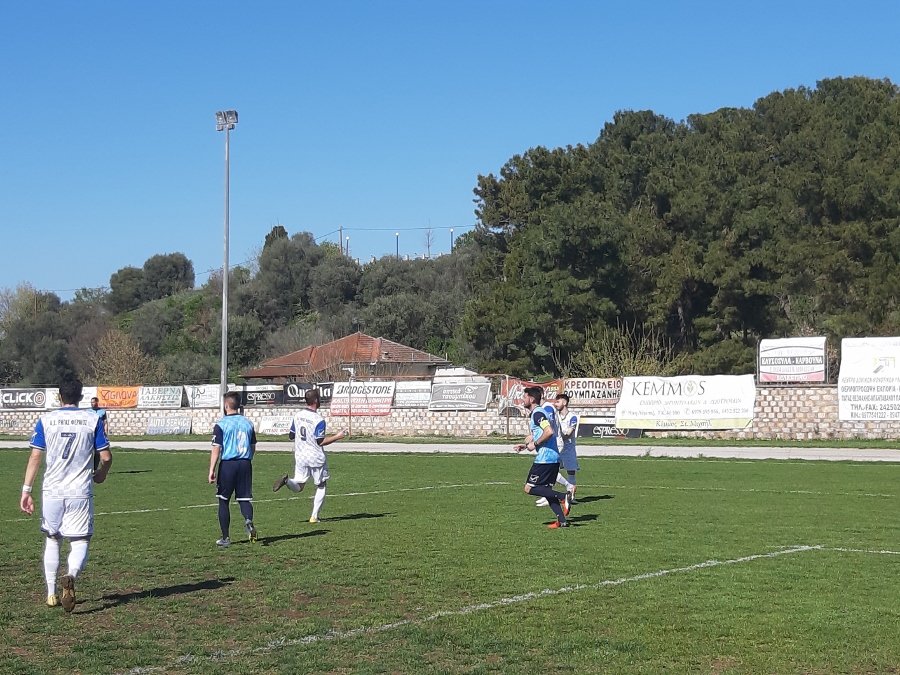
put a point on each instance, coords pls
(294, 486)
(562, 480)
(318, 500)
(51, 564)
(78, 556)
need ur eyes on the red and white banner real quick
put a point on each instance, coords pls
(362, 398)
(512, 393)
(800, 359)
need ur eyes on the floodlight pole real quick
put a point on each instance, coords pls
(451, 240)
(397, 236)
(225, 121)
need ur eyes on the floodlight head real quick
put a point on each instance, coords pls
(226, 119)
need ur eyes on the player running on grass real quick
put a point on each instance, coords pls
(67, 438)
(308, 433)
(542, 440)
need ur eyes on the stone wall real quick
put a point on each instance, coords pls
(782, 413)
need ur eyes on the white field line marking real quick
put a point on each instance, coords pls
(748, 490)
(287, 499)
(861, 550)
(281, 643)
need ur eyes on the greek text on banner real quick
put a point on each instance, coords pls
(687, 402)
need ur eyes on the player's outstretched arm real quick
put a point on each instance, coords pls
(328, 440)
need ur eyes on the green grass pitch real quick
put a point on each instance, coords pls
(432, 563)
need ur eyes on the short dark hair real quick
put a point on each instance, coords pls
(565, 396)
(311, 396)
(94, 398)
(233, 398)
(70, 392)
(537, 393)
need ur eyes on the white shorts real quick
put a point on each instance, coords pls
(68, 517)
(303, 473)
(569, 460)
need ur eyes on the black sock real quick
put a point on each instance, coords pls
(547, 491)
(246, 509)
(557, 509)
(224, 518)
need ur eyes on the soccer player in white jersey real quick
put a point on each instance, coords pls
(568, 431)
(68, 439)
(308, 433)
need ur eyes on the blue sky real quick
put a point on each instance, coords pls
(374, 116)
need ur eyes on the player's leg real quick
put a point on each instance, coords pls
(225, 486)
(540, 482)
(51, 568)
(244, 496)
(52, 511)
(77, 527)
(320, 475)
(301, 475)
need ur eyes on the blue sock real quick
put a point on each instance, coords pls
(224, 517)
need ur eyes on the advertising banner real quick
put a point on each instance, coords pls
(118, 397)
(512, 391)
(274, 425)
(686, 402)
(295, 391)
(262, 394)
(169, 425)
(202, 395)
(869, 381)
(53, 402)
(412, 394)
(362, 398)
(23, 398)
(591, 392)
(460, 396)
(605, 428)
(160, 397)
(800, 359)
(326, 391)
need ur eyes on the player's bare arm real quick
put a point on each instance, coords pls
(213, 460)
(102, 469)
(328, 440)
(26, 503)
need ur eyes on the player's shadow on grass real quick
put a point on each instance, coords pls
(358, 516)
(266, 541)
(134, 471)
(591, 498)
(586, 518)
(116, 599)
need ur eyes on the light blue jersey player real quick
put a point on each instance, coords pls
(233, 445)
(542, 440)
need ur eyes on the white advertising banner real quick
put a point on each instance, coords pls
(412, 394)
(799, 359)
(274, 425)
(365, 398)
(160, 397)
(686, 403)
(473, 396)
(170, 425)
(202, 395)
(869, 382)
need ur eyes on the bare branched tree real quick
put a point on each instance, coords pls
(622, 351)
(117, 359)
